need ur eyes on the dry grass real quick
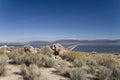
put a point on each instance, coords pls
(19, 56)
(3, 62)
(45, 50)
(77, 74)
(71, 55)
(30, 73)
(104, 73)
(91, 63)
(102, 66)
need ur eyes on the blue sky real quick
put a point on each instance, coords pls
(59, 19)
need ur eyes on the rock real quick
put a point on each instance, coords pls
(58, 49)
(30, 49)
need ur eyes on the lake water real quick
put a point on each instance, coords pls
(101, 48)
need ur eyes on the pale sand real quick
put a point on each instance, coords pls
(12, 73)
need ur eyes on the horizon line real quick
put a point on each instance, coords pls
(53, 40)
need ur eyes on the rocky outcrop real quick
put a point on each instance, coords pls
(30, 49)
(60, 50)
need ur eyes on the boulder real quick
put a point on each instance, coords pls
(30, 49)
(60, 50)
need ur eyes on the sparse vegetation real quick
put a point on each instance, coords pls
(30, 73)
(104, 73)
(45, 50)
(77, 74)
(78, 62)
(72, 64)
(3, 62)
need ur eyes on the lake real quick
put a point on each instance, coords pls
(101, 48)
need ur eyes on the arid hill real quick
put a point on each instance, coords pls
(56, 63)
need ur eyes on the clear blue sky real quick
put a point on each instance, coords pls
(59, 19)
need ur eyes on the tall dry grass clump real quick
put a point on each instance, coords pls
(46, 61)
(104, 73)
(3, 63)
(71, 55)
(77, 74)
(31, 72)
(17, 55)
(46, 50)
(40, 60)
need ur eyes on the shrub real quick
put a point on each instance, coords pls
(71, 55)
(115, 72)
(93, 69)
(39, 59)
(17, 55)
(112, 64)
(45, 61)
(31, 59)
(62, 67)
(10, 55)
(30, 73)
(2, 69)
(19, 59)
(78, 62)
(3, 62)
(46, 50)
(91, 62)
(77, 74)
(104, 73)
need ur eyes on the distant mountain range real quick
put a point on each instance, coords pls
(87, 41)
(65, 41)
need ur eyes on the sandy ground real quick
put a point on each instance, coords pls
(49, 74)
(12, 73)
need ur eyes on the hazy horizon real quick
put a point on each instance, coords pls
(49, 40)
(22, 20)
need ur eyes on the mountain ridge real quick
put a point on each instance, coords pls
(63, 41)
